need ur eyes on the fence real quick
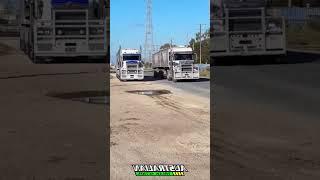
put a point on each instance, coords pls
(297, 15)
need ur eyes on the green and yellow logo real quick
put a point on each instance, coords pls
(159, 169)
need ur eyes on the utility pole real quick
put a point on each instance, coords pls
(289, 3)
(200, 44)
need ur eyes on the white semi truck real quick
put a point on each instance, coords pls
(176, 63)
(129, 65)
(244, 28)
(64, 28)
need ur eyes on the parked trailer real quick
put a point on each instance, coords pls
(129, 65)
(63, 28)
(176, 63)
(243, 28)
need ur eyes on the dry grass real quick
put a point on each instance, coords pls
(305, 38)
(205, 73)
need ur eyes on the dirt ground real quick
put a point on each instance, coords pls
(43, 137)
(167, 128)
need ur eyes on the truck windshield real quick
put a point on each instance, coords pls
(131, 57)
(183, 57)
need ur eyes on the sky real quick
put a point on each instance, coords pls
(178, 20)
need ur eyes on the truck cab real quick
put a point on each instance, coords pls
(176, 63)
(129, 65)
(181, 64)
(244, 28)
(64, 28)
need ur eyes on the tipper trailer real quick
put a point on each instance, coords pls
(129, 65)
(64, 28)
(244, 28)
(176, 63)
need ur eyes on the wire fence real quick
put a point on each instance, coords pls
(297, 15)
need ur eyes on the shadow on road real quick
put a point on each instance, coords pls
(291, 58)
(146, 78)
(198, 80)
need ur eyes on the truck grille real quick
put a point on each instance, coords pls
(96, 47)
(186, 68)
(44, 47)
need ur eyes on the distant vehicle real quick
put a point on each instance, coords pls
(63, 28)
(129, 65)
(243, 28)
(176, 63)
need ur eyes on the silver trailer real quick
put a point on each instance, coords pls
(243, 28)
(70, 28)
(129, 65)
(176, 63)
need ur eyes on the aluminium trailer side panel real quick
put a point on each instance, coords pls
(161, 59)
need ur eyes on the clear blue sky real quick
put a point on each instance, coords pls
(176, 19)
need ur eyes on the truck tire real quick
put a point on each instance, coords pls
(155, 74)
(161, 76)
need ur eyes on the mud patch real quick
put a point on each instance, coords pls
(130, 119)
(166, 102)
(150, 92)
(56, 159)
(113, 143)
(90, 97)
(5, 50)
(12, 131)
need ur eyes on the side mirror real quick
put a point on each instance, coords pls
(195, 56)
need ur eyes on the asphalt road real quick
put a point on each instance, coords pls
(46, 130)
(199, 87)
(266, 119)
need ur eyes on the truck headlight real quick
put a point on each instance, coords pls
(82, 32)
(40, 32)
(60, 32)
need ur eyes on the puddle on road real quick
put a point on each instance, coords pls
(5, 49)
(150, 92)
(90, 97)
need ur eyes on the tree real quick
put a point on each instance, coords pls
(205, 46)
(167, 45)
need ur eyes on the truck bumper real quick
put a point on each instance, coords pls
(132, 77)
(249, 53)
(186, 75)
(73, 54)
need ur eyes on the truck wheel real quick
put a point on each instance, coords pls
(161, 75)
(155, 74)
(175, 80)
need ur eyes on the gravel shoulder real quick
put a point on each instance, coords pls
(168, 128)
